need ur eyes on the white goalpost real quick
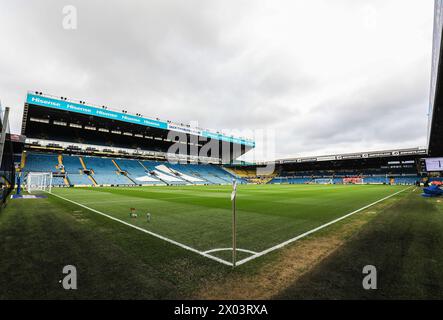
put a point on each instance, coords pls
(39, 181)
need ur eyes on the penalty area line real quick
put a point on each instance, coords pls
(181, 245)
(285, 243)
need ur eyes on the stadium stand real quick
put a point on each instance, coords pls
(156, 170)
(104, 172)
(250, 175)
(77, 170)
(137, 172)
(403, 180)
(123, 150)
(290, 180)
(41, 162)
(92, 170)
(74, 170)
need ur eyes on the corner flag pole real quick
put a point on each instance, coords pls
(234, 223)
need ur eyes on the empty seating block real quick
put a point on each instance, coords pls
(105, 172)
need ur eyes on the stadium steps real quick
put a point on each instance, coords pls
(82, 163)
(92, 180)
(90, 177)
(156, 176)
(116, 165)
(168, 183)
(168, 179)
(206, 181)
(141, 163)
(178, 174)
(62, 166)
(122, 172)
(132, 180)
(136, 172)
(23, 160)
(60, 163)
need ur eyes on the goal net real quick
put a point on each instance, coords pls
(323, 181)
(39, 181)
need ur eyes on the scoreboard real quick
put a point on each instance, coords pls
(434, 164)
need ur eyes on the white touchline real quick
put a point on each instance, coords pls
(278, 246)
(254, 256)
(149, 232)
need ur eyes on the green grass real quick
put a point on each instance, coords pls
(200, 216)
(404, 243)
(39, 237)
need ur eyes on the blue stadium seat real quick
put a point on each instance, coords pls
(105, 172)
(74, 169)
(40, 163)
(137, 172)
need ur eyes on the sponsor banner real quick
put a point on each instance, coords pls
(327, 158)
(408, 152)
(109, 114)
(92, 111)
(222, 137)
(27, 196)
(380, 154)
(183, 129)
(307, 160)
(349, 156)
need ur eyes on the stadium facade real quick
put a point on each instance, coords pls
(89, 145)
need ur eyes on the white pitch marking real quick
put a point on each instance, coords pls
(149, 232)
(278, 246)
(255, 255)
(115, 201)
(226, 249)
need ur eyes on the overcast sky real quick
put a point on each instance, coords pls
(326, 76)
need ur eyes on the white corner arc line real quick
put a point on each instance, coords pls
(149, 232)
(278, 246)
(226, 249)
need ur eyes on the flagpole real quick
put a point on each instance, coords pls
(234, 240)
(234, 224)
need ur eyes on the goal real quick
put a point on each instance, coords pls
(39, 181)
(323, 181)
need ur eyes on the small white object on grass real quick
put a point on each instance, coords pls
(148, 217)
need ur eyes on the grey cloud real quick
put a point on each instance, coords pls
(229, 65)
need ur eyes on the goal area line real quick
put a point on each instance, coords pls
(254, 255)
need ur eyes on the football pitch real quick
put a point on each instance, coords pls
(199, 218)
